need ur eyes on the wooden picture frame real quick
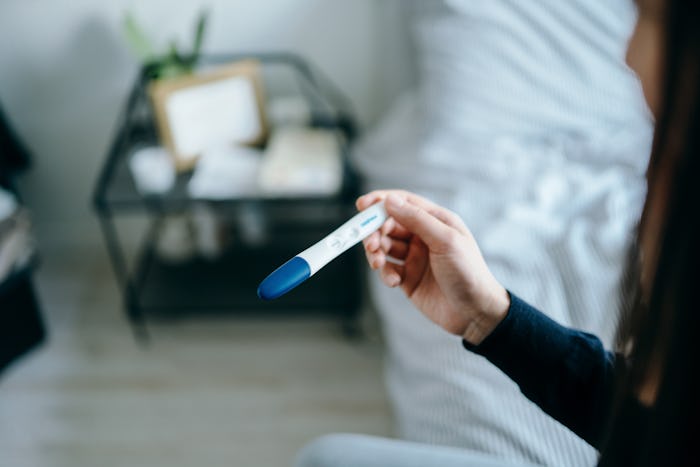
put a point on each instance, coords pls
(224, 105)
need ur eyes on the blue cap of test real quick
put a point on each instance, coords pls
(284, 278)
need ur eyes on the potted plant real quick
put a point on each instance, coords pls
(172, 62)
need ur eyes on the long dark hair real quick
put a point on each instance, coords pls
(660, 336)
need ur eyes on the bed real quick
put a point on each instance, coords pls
(526, 122)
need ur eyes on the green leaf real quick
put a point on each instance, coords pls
(199, 34)
(137, 39)
(171, 70)
(174, 54)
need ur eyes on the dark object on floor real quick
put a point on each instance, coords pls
(13, 154)
(21, 326)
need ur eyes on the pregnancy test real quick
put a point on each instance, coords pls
(310, 261)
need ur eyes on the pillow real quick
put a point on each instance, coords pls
(528, 69)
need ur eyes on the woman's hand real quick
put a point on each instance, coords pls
(439, 267)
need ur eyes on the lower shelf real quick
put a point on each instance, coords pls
(229, 284)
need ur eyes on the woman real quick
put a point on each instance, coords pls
(635, 405)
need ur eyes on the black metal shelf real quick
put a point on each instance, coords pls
(152, 286)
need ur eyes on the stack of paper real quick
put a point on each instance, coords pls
(302, 162)
(226, 172)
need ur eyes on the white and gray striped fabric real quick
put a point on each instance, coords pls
(526, 123)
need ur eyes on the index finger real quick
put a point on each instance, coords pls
(443, 214)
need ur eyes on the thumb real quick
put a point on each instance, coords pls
(434, 233)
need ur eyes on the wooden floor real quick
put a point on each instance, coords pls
(205, 392)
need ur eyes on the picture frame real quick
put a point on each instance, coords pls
(221, 106)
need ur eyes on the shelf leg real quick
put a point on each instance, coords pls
(118, 261)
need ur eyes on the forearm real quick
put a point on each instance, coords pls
(566, 372)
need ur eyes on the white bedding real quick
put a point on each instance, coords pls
(551, 200)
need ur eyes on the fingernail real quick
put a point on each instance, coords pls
(394, 202)
(372, 244)
(394, 280)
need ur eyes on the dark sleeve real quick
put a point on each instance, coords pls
(565, 372)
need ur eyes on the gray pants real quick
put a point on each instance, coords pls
(348, 450)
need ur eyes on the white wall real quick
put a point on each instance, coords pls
(65, 70)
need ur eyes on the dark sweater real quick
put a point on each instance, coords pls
(565, 372)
